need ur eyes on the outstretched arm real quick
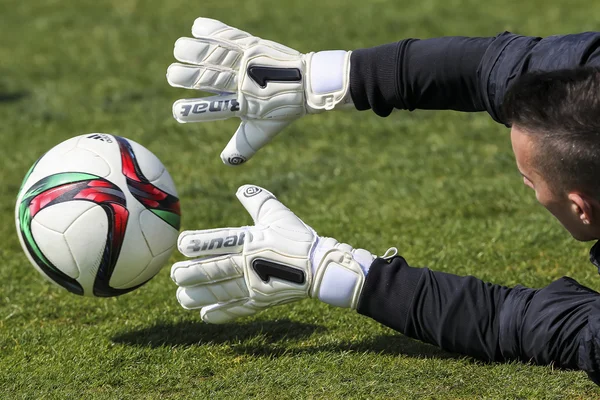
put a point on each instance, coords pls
(459, 73)
(241, 271)
(269, 86)
(558, 324)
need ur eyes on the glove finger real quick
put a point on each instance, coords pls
(194, 297)
(212, 108)
(206, 78)
(250, 136)
(211, 242)
(199, 52)
(222, 313)
(217, 30)
(206, 271)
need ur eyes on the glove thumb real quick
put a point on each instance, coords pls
(266, 210)
(249, 138)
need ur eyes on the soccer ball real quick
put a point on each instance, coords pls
(98, 215)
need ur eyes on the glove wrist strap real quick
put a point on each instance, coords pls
(338, 279)
(328, 83)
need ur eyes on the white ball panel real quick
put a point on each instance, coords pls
(149, 164)
(106, 147)
(152, 269)
(81, 160)
(87, 239)
(165, 182)
(159, 235)
(54, 246)
(134, 258)
(77, 160)
(59, 217)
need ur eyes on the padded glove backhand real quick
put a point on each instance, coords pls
(278, 260)
(264, 83)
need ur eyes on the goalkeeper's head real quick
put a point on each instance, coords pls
(555, 119)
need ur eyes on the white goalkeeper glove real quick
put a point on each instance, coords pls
(265, 84)
(278, 260)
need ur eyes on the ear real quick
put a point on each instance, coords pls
(585, 207)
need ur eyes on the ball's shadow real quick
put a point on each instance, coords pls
(272, 339)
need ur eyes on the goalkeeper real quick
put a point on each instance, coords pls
(546, 89)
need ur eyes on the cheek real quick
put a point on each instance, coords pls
(543, 199)
(560, 211)
(547, 198)
(551, 204)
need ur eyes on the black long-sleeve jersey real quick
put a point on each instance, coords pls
(557, 324)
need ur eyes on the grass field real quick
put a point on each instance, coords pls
(440, 186)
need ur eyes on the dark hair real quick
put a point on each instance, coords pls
(561, 110)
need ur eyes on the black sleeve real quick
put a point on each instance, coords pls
(557, 324)
(459, 73)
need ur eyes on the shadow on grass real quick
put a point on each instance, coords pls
(198, 333)
(395, 345)
(13, 96)
(272, 339)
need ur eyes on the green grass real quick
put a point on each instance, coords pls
(440, 186)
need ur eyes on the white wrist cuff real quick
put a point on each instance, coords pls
(338, 280)
(328, 80)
